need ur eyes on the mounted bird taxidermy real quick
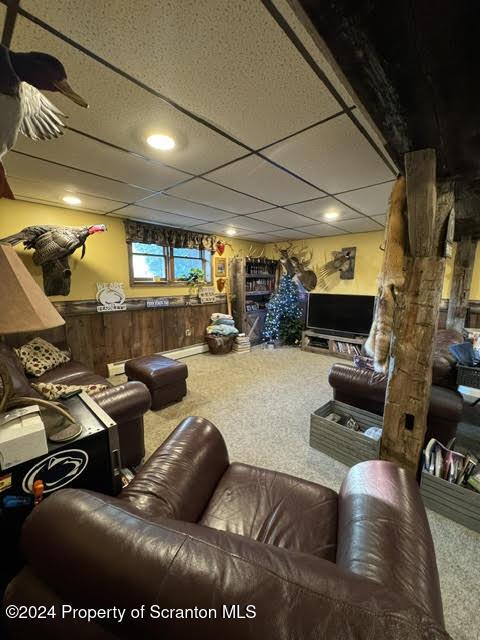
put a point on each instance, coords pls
(296, 263)
(391, 279)
(343, 262)
(23, 108)
(52, 247)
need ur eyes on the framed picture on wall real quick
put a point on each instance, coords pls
(220, 267)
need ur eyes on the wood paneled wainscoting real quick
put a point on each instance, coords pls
(97, 339)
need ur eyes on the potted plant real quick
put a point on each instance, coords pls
(195, 279)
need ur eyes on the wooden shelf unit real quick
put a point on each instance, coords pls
(252, 279)
(328, 344)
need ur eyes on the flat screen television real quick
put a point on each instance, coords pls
(340, 315)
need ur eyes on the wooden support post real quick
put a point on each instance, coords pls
(461, 281)
(416, 313)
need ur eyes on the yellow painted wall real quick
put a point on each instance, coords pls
(106, 258)
(368, 263)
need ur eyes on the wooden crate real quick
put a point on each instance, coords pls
(451, 500)
(339, 442)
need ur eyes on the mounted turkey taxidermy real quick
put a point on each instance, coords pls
(53, 245)
(343, 262)
(23, 108)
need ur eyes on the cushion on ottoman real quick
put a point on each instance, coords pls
(164, 377)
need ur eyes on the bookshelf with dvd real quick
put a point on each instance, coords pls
(253, 281)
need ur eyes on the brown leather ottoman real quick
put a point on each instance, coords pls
(164, 377)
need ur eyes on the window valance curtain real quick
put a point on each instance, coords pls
(168, 236)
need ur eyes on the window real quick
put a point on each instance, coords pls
(163, 265)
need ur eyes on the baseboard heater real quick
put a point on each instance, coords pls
(118, 368)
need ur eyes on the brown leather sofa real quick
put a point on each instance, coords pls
(366, 389)
(125, 403)
(194, 530)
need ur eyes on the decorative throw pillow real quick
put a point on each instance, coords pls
(54, 391)
(39, 356)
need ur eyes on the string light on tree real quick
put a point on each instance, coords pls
(284, 313)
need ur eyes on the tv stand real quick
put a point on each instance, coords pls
(339, 346)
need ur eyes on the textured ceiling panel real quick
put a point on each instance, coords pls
(51, 193)
(334, 156)
(288, 234)
(249, 223)
(322, 230)
(121, 112)
(373, 201)
(282, 218)
(159, 217)
(315, 46)
(261, 179)
(318, 209)
(80, 152)
(184, 207)
(220, 228)
(358, 225)
(226, 61)
(381, 219)
(208, 193)
(3, 13)
(19, 166)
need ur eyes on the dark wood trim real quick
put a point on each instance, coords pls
(88, 307)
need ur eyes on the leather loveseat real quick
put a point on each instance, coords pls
(125, 403)
(366, 389)
(290, 558)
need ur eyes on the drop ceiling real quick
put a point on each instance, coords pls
(268, 140)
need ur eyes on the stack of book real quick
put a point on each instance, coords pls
(242, 343)
(451, 465)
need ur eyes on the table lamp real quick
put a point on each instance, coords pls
(25, 308)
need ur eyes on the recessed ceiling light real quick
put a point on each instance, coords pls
(72, 200)
(161, 141)
(231, 232)
(331, 215)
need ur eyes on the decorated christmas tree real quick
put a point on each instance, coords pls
(284, 314)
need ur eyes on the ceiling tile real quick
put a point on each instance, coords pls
(52, 193)
(292, 234)
(20, 166)
(77, 151)
(322, 230)
(334, 156)
(121, 112)
(220, 228)
(372, 201)
(358, 225)
(230, 62)
(246, 222)
(381, 219)
(204, 192)
(318, 208)
(259, 237)
(261, 179)
(315, 45)
(3, 13)
(169, 203)
(159, 217)
(282, 218)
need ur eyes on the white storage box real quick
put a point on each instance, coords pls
(22, 436)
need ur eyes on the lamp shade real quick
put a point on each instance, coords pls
(24, 306)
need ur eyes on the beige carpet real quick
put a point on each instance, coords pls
(261, 401)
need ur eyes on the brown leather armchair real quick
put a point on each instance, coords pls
(193, 530)
(366, 389)
(125, 403)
